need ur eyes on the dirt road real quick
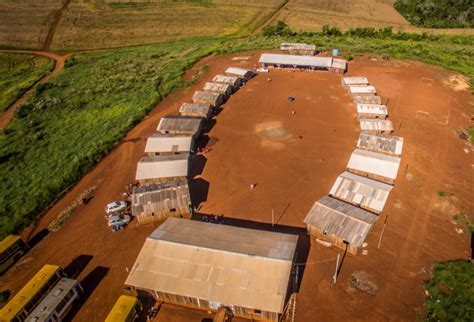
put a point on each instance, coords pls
(7, 115)
(293, 158)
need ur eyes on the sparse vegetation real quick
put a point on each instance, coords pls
(438, 13)
(442, 194)
(450, 292)
(19, 72)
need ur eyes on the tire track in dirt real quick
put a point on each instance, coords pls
(270, 20)
(7, 115)
(56, 19)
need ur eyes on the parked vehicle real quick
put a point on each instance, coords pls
(262, 70)
(119, 220)
(116, 206)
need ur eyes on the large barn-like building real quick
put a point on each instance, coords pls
(295, 61)
(206, 266)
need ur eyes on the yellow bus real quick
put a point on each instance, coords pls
(126, 309)
(18, 308)
(11, 249)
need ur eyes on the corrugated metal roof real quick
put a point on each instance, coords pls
(341, 219)
(162, 143)
(162, 166)
(201, 110)
(361, 191)
(372, 109)
(237, 71)
(217, 87)
(375, 163)
(160, 197)
(218, 263)
(369, 89)
(380, 143)
(367, 99)
(376, 125)
(231, 80)
(355, 80)
(180, 124)
(290, 60)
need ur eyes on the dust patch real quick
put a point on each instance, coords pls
(274, 135)
(457, 82)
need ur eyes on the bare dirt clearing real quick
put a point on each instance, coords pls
(293, 158)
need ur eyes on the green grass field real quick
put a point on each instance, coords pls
(18, 73)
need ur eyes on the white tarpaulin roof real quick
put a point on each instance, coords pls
(375, 163)
(369, 89)
(290, 60)
(355, 80)
(372, 109)
(358, 190)
(380, 143)
(376, 125)
(218, 263)
(162, 166)
(161, 143)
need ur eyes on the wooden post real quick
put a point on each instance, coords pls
(335, 271)
(273, 219)
(381, 234)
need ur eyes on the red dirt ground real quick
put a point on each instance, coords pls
(256, 140)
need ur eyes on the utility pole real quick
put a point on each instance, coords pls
(381, 234)
(273, 219)
(334, 278)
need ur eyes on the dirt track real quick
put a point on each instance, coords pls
(7, 115)
(256, 139)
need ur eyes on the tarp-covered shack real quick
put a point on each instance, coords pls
(239, 72)
(371, 111)
(298, 48)
(233, 81)
(159, 143)
(380, 143)
(224, 89)
(204, 265)
(339, 66)
(157, 202)
(376, 126)
(162, 168)
(295, 61)
(213, 99)
(362, 90)
(367, 99)
(361, 191)
(373, 165)
(339, 223)
(196, 110)
(180, 124)
(354, 81)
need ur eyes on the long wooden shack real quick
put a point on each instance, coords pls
(233, 81)
(213, 99)
(354, 81)
(239, 72)
(157, 202)
(205, 266)
(224, 89)
(381, 143)
(178, 124)
(196, 110)
(159, 143)
(371, 111)
(339, 223)
(295, 61)
(162, 168)
(376, 126)
(361, 191)
(373, 165)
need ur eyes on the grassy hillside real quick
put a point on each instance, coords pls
(439, 13)
(18, 72)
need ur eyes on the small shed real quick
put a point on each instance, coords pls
(361, 191)
(362, 90)
(376, 126)
(178, 124)
(354, 81)
(340, 223)
(160, 143)
(205, 266)
(339, 66)
(381, 143)
(367, 99)
(374, 165)
(162, 168)
(239, 72)
(224, 89)
(156, 202)
(197, 110)
(295, 61)
(233, 81)
(213, 99)
(371, 111)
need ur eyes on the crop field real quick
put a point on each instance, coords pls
(78, 117)
(25, 23)
(19, 72)
(311, 15)
(111, 25)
